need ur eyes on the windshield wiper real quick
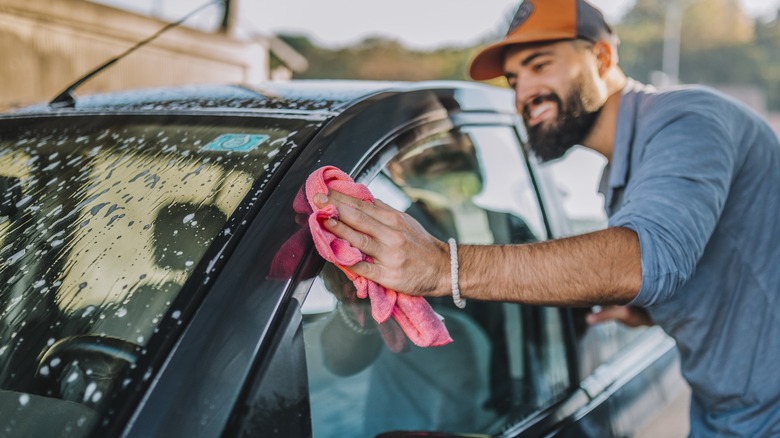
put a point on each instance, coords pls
(66, 99)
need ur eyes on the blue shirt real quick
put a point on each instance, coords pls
(697, 176)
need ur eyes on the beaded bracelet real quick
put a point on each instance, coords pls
(349, 322)
(461, 303)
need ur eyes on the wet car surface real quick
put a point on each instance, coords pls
(158, 278)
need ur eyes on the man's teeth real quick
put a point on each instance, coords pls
(540, 109)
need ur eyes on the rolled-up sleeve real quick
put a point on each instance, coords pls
(674, 199)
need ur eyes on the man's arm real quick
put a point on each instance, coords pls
(597, 268)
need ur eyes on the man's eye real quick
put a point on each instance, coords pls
(540, 66)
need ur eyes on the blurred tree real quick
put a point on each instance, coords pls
(768, 42)
(720, 44)
(709, 24)
(381, 59)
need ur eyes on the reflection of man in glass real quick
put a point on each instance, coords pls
(445, 181)
(440, 176)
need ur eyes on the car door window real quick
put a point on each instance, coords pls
(507, 361)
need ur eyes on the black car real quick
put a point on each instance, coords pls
(157, 276)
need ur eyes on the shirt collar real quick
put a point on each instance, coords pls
(624, 135)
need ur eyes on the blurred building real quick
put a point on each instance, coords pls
(49, 44)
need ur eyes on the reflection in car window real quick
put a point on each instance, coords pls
(507, 361)
(103, 225)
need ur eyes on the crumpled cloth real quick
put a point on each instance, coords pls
(413, 314)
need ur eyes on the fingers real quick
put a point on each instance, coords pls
(628, 315)
(608, 313)
(359, 222)
(358, 239)
(395, 242)
(367, 270)
(338, 199)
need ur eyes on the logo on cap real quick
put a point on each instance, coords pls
(523, 12)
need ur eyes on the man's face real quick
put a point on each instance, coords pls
(557, 94)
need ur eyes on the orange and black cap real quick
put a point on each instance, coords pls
(539, 21)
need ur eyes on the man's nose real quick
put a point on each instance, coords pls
(525, 96)
(525, 90)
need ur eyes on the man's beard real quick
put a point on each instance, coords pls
(573, 124)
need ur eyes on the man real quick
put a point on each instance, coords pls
(691, 189)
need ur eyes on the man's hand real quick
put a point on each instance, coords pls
(406, 258)
(628, 315)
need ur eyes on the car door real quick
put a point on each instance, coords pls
(508, 364)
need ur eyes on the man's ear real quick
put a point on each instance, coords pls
(606, 56)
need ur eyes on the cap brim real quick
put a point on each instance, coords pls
(489, 62)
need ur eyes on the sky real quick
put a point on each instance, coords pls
(421, 24)
(418, 24)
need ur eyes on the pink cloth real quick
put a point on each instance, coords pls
(413, 314)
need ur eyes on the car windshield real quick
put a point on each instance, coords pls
(103, 221)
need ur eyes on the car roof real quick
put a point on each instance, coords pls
(297, 97)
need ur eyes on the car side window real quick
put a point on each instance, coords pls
(507, 361)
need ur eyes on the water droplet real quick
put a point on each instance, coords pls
(24, 399)
(89, 390)
(15, 258)
(176, 314)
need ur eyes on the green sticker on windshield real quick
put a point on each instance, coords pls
(236, 142)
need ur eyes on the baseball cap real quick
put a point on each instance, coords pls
(540, 21)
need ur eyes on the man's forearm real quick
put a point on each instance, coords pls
(597, 268)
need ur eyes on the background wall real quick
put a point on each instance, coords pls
(48, 44)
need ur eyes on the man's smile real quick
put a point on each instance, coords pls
(537, 113)
(541, 108)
